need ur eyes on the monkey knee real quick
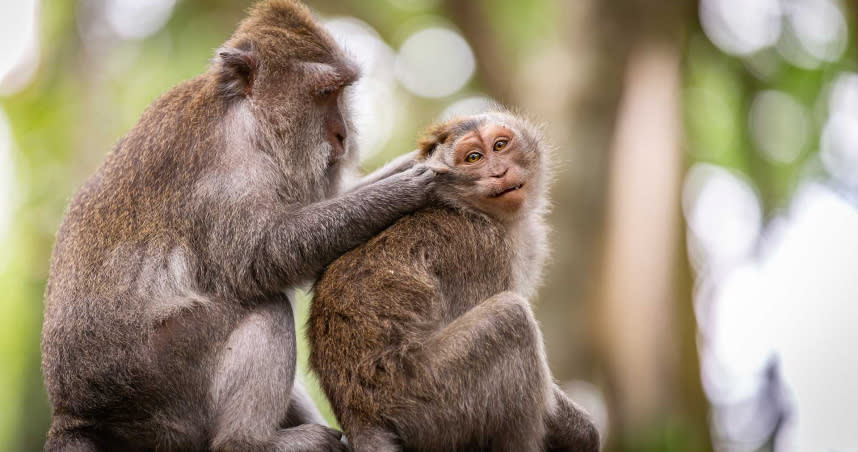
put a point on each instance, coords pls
(519, 317)
(254, 377)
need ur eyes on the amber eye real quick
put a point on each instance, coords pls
(500, 145)
(473, 157)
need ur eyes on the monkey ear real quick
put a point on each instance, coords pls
(236, 69)
(430, 140)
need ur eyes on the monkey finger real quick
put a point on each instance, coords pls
(419, 169)
(421, 175)
(439, 168)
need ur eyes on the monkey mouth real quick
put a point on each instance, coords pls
(507, 190)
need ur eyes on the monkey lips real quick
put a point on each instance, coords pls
(509, 196)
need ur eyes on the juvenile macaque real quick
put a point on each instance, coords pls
(423, 337)
(168, 319)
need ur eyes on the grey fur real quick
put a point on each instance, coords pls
(168, 320)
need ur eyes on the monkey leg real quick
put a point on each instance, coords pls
(482, 379)
(252, 389)
(301, 409)
(569, 428)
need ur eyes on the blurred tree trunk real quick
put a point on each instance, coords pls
(644, 311)
(637, 326)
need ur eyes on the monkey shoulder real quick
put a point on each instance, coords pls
(403, 270)
(444, 233)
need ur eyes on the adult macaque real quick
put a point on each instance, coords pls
(168, 323)
(423, 337)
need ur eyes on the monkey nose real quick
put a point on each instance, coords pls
(337, 132)
(337, 138)
(500, 172)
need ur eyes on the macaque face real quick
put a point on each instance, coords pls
(491, 157)
(294, 85)
(494, 166)
(331, 101)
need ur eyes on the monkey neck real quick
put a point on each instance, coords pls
(528, 239)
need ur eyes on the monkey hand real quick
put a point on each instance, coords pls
(402, 163)
(446, 183)
(312, 438)
(418, 181)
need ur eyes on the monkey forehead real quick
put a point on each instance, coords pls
(333, 75)
(484, 134)
(528, 132)
(474, 127)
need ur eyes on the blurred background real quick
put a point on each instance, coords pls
(703, 291)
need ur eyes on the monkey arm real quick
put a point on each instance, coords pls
(302, 242)
(397, 165)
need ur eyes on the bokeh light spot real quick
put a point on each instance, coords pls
(741, 27)
(373, 97)
(434, 62)
(469, 106)
(723, 214)
(779, 126)
(19, 45)
(839, 141)
(816, 32)
(138, 19)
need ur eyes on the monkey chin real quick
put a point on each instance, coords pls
(505, 204)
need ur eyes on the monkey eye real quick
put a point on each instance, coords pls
(500, 145)
(473, 157)
(325, 92)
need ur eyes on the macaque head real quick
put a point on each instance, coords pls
(286, 81)
(493, 163)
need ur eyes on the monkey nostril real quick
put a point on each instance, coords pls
(338, 144)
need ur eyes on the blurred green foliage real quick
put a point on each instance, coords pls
(67, 118)
(717, 96)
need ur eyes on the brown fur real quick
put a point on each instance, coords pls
(422, 338)
(168, 323)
